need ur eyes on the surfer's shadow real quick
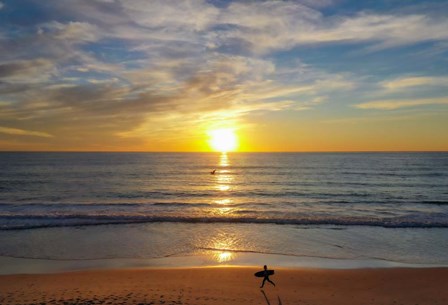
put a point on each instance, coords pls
(267, 300)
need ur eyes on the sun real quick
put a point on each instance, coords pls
(223, 140)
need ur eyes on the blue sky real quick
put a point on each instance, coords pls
(286, 75)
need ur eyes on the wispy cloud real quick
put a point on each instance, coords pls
(416, 81)
(396, 104)
(22, 132)
(26, 71)
(281, 25)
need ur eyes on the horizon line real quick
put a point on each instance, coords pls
(218, 152)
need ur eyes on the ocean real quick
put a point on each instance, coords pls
(295, 207)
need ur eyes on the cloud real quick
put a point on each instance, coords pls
(277, 25)
(26, 71)
(381, 117)
(120, 106)
(171, 14)
(388, 30)
(102, 68)
(253, 26)
(396, 104)
(71, 32)
(22, 132)
(416, 81)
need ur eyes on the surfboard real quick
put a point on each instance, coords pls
(261, 273)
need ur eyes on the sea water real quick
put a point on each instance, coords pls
(391, 207)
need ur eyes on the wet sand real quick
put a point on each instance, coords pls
(230, 285)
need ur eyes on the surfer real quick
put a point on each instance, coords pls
(266, 274)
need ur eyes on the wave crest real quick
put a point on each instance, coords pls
(22, 222)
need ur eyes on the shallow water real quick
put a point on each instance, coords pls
(224, 243)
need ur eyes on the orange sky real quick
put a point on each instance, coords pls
(284, 75)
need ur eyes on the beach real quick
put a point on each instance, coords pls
(230, 285)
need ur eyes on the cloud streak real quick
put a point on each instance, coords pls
(397, 104)
(416, 81)
(22, 132)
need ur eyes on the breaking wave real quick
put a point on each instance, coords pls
(20, 222)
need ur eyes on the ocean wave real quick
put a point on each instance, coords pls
(21, 222)
(290, 200)
(60, 205)
(436, 202)
(55, 207)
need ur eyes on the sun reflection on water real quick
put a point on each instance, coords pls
(225, 201)
(223, 257)
(223, 207)
(222, 245)
(224, 184)
(223, 187)
(224, 211)
(224, 179)
(224, 160)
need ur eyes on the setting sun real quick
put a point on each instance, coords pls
(223, 140)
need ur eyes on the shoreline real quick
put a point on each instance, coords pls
(229, 285)
(29, 266)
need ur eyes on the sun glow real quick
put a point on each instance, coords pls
(223, 140)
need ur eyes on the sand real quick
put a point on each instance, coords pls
(230, 285)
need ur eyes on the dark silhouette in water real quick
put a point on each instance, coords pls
(266, 276)
(213, 172)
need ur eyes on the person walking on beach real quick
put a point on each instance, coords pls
(266, 274)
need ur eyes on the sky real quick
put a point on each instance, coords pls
(161, 75)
